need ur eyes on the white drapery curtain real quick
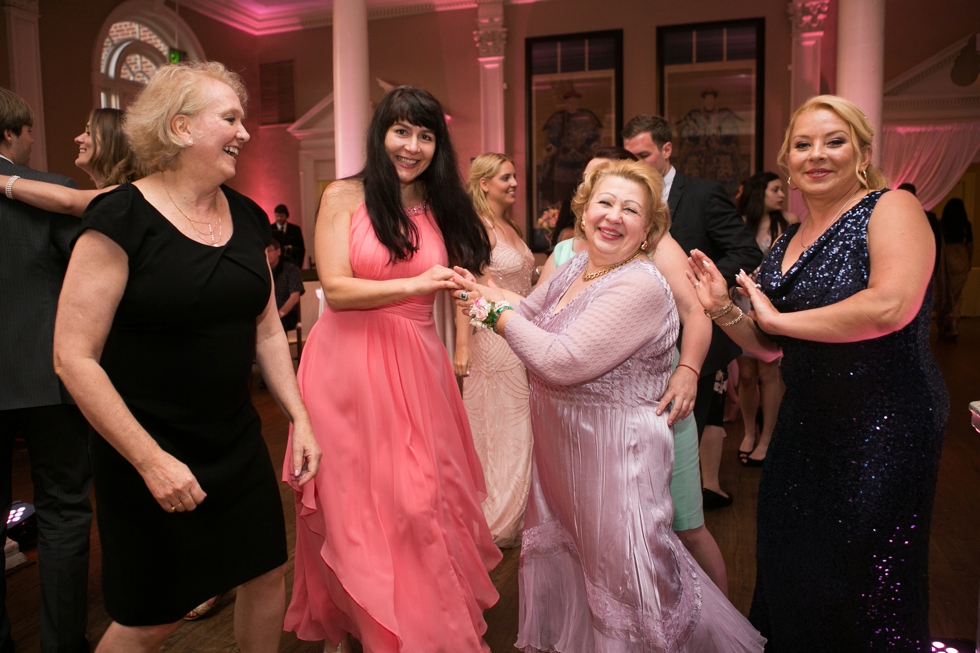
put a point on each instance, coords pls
(933, 157)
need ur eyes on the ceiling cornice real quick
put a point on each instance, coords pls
(237, 14)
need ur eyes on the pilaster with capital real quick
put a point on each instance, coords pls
(491, 42)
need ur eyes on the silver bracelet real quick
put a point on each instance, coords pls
(10, 186)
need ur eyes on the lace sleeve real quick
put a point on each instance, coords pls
(628, 312)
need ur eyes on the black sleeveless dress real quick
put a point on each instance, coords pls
(180, 353)
(845, 499)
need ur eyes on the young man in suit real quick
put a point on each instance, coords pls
(702, 217)
(34, 253)
(290, 237)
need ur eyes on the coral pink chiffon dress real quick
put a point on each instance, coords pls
(391, 545)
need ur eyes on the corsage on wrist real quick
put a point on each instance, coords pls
(484, 314)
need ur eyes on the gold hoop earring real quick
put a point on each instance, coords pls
(864, 175)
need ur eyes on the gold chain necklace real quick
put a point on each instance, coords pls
(832, 221)
(194, 223)
(589, 276)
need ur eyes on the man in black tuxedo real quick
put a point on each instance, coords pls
(702, 217)
(34, 253)
(290, 237)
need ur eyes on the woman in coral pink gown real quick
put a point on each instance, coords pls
(392, 546)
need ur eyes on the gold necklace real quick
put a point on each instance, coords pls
(200, 234)
(832, 221)
(589, 276)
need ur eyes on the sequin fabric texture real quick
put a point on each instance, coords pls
(845, 499)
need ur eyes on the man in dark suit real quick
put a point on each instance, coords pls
(34, 253)
(290, 237)
(702, 217)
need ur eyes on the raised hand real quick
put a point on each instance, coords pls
(711, 287)
(763, 312)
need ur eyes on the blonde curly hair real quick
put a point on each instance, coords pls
(174, 90)
(658, 216)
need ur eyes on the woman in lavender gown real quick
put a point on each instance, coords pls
(601, 569)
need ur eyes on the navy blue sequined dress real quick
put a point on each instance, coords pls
(845, 498)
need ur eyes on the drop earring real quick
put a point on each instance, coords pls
(644, 246)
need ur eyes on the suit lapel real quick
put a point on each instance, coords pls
(674, 197)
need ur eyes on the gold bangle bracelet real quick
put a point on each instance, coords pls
(725, 311)
(735, 321)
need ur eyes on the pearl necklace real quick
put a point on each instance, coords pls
(589, 276)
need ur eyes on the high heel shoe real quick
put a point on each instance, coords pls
(713, 501)
(202, 609)
(753, 462)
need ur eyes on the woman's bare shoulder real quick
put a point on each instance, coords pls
(343, 195)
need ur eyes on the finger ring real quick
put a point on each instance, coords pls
(173, 508)
(463, 295)
(758, 285)
(696, 283)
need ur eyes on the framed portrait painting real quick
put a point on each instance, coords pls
(574, 106)
(711, 93)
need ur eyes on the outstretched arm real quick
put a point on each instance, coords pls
(52, 197)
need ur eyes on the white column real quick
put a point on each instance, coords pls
(351, 94)
(491, 40)
(807, 18)
(24, 51)
(861, 59)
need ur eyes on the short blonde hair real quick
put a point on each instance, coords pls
(174, 90)
(862, 135)
(486, 166)
(658, 216)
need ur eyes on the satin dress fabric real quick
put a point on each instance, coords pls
(601, 570)
(496, 398)
(845, 497)
(391, 543)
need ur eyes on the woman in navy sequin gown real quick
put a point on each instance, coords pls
(845, 499)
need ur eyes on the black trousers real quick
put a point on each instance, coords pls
(57, 442)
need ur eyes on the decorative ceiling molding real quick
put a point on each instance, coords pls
(255, 18)
(928, 67)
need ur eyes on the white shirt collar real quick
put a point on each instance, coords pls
(668, 182)
(6, 159)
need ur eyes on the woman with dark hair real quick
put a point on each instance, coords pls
(958, 239)
(761, 206)
(392, 546)
(103, 153)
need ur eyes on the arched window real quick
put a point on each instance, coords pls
(137, 38)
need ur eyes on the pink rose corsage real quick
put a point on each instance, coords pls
(484, 314)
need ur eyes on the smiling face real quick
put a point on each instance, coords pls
(410, 149)
(775, 195)
(501, 189)
(822, 154)
(616, 221)
(646, 150)
(86, 148)
(217, 133)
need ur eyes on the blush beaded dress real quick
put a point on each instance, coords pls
(845, 498)
(496, 398)
(601, 569)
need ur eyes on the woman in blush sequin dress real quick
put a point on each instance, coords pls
(495, 390)
(845, 498)
(392, 546)
(601, 569)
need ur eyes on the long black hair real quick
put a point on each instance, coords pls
(442, 187)
(752, 205)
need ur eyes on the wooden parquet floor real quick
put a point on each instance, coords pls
(954, 563)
